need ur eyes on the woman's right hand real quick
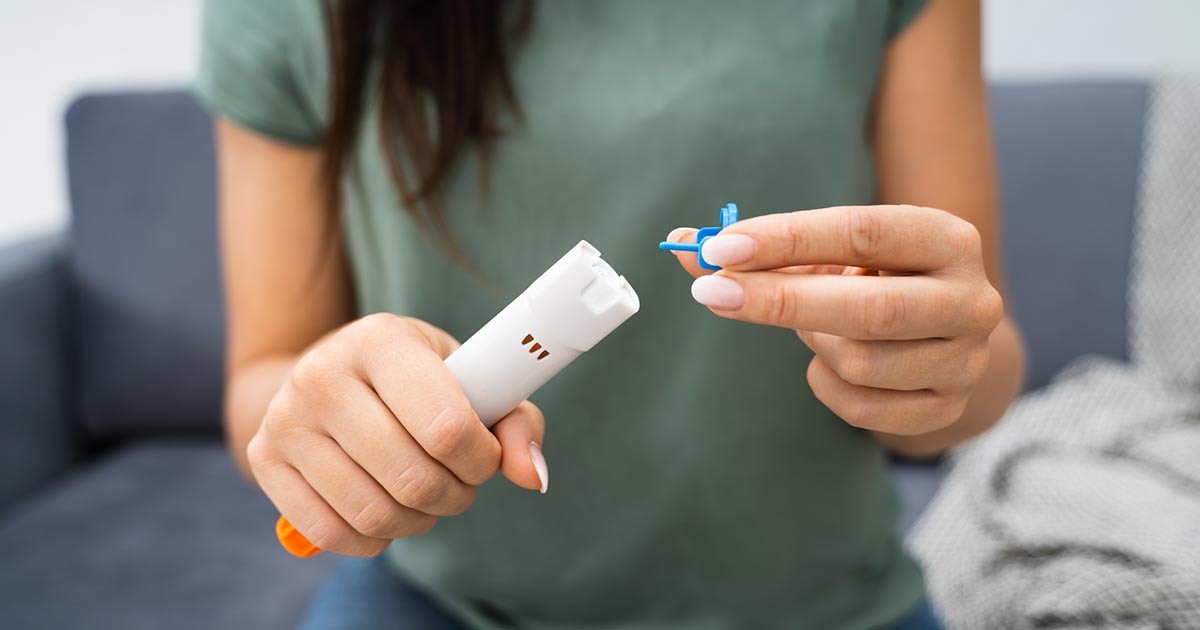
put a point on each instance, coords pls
(371, 438)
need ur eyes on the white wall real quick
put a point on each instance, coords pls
(53, 49)
(1093, 38)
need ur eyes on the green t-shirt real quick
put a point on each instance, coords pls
(697, 481)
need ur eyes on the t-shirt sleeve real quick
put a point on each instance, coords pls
(901, 13)
(249, 66)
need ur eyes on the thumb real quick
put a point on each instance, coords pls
(520, 434)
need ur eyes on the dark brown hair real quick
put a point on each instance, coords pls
(443, 75)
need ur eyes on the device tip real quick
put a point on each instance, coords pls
(292, 540)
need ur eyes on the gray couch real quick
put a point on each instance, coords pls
(118, 505)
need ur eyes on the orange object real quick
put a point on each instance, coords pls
(293, 540)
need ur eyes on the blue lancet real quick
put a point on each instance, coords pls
(729, 216)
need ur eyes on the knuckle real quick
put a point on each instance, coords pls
(279, 417)
(461, 505)
(946, 410)
(420, 487)
(330, 536)
(377, 331)
(966, 235)
(450, 431)
(483, 468)
(882, 312)
(859, 414)
(381, 329)
(864, 235)
(283, 426)
(375, 519)
(858, 365)
(797, 238)
(811, 375)
(377, 323)
(989, 308)
(780, 308)
(312, 376)
(258, 453)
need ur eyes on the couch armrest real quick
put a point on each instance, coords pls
(36, 438)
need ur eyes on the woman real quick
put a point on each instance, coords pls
(430, 159)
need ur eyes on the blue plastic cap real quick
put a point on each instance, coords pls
(729, 216)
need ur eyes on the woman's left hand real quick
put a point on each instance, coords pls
(893, 300)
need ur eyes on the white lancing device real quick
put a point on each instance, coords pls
(577, 302)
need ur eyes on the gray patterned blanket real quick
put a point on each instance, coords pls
(1081, 510)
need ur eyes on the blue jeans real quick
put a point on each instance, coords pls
(364, 594)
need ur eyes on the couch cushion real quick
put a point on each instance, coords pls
(1070, 157)
(162, 535)
(144, 256)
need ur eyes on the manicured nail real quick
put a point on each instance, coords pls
(539, 464)
(729, 249)
(718, 292)
(676, 235)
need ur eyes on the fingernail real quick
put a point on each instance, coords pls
(539, 464)
(718, 292)
(729, 249)
(676, 235)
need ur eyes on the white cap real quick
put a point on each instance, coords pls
(580, 299)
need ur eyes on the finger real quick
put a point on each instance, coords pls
(689, 260)
(886, 410)
(307, 511)
(521, 433)
(859, 307)
(943, 365)
(374, 439)
(415, 384)
(834, 270)
(895, 238)
(356, 497)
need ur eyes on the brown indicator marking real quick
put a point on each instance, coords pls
(543, 355)
(527, 339)
(535, 348)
